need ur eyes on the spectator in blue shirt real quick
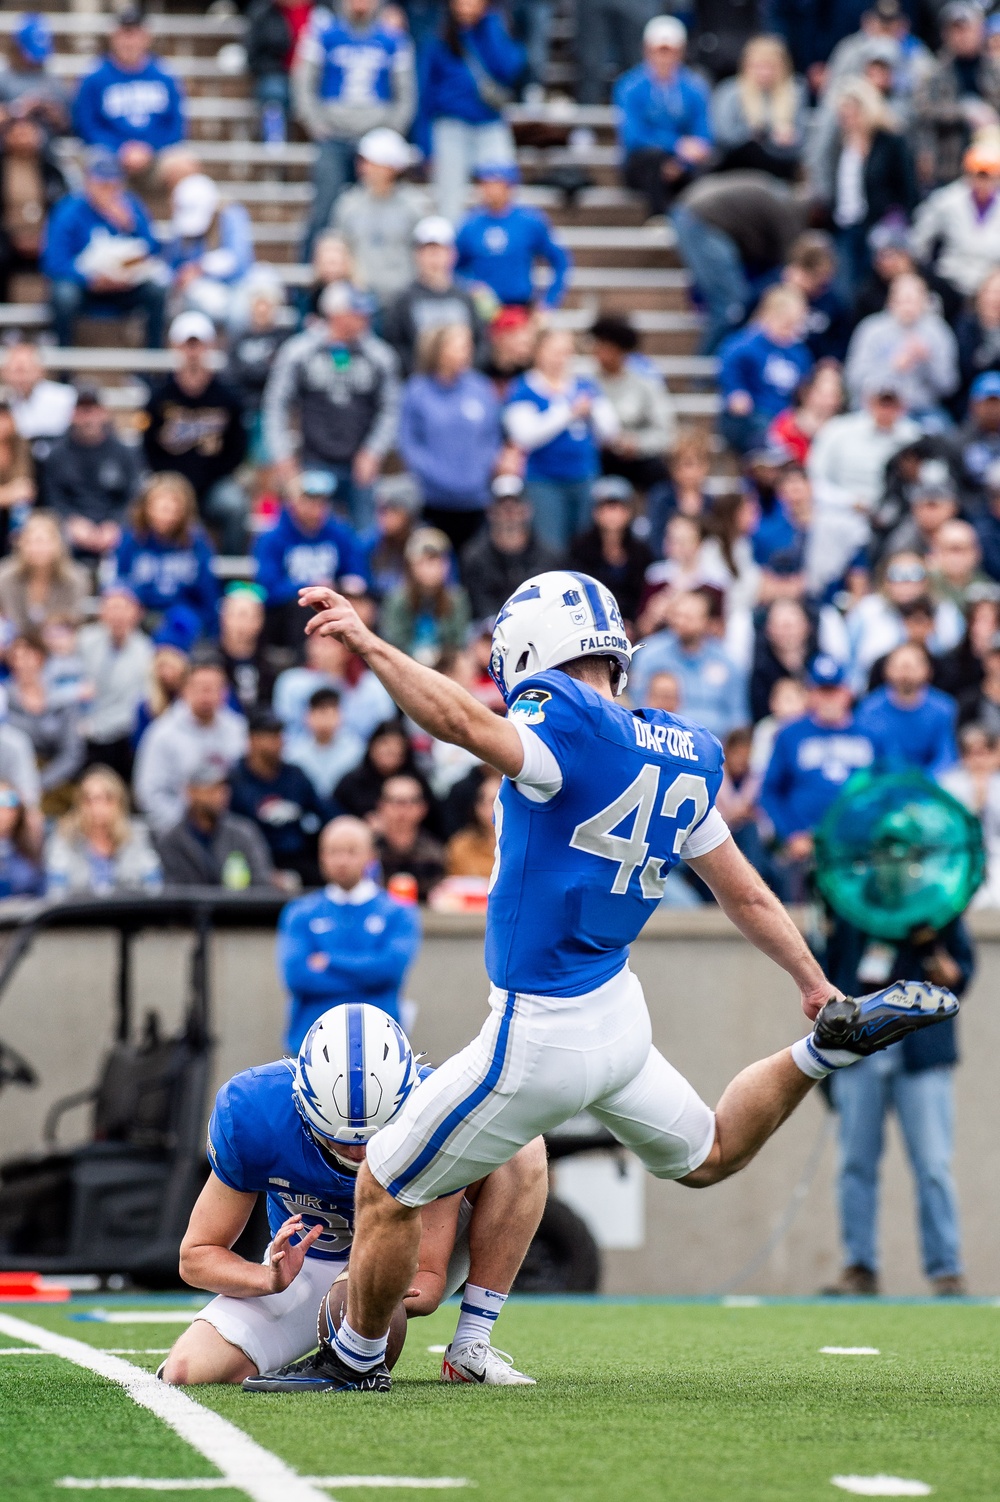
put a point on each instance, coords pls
(811, 761)
(306, 546)
(349, 942)
(500, 244)
(91, 273)
(467, 76)
(129, 104)
(352, 73)
(560, 420)
(449, 433)
(164, 556)
(761, 367)
(279, 798)
(909, 723)
(713, 689)
(664, 133)
(210, 249)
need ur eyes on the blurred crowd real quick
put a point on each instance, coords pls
(815, 575)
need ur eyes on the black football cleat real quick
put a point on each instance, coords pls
(323, 1371)
(865, 1024)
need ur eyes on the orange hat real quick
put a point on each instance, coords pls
(985, 158)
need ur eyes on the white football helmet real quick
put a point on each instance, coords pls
(551, 619)
(354, 1071)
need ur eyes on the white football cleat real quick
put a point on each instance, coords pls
(479, 1362)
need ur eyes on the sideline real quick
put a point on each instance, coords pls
(245, 1465)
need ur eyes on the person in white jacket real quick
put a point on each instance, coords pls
(199, 729)
(963, 220)
(847, 468)
(910, 340)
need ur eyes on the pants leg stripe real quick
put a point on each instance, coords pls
(465, 1107)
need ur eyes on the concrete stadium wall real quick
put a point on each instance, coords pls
(716, 1005)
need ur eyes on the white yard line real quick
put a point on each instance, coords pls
(22, 1351)
(245, 1465)
(218, 1484)
(141, 1316)
(849, 1351)
(882, 1486)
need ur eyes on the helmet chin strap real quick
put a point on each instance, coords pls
(328, 1148)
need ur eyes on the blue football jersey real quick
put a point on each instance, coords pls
(577, 876)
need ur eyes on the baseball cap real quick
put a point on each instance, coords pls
(906, 573)
(398, 493)
(427, 541)
(503, 172)
(263, 720)
(982, 156)
(825, 672)
(193, 205)
(34, 37)
(882, 383)
(933, 479)
(664, 31)
(886, 10)
(959, 13)
(613, 488)
(434, 230)
(191, 325)
(317, 482)
(104, 166)
(888, 236)
(386, 148)
(986, 386)
(89, 396)
(510, 318)
(344, 297)
(131, 16)
(208, 773)
(508, 488)
(879, 50)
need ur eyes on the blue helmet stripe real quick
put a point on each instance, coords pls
(357, 1114)
(594, 600)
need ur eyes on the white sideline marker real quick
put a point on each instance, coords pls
(882, 1486)
(849, 1351)
(741, 1301)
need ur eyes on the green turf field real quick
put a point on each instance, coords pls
(691, 1402)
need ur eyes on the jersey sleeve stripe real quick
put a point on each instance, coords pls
(465, 1107)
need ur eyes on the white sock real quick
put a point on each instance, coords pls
(357, 1350)
(817, 1062)
(480, 1308)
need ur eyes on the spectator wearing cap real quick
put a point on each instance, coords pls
(811, 760)
(26, 83)
(129, 104)
(977, 441)
(664, 130)
(352, 74)
(195, 427)
(199, 726)
(876, 624)
(97, 848)
(713, 688)
(31, 183)
(164, 557)
(499, 243)
(933, 500)
(307, 545)
(957, 228)
(349, 942)
(510, 345)
(884, 21)
(959, 96)
(560, 420)
(426, 615)
(210, 249)
(91, 479)
(761, 366)
(98, 252)
(914, 343)
(325, 749)
(450, 433)
(759, 117)
(279, 798)
(608, 549)
(398, 503)
(339, 384)
(909, 723)
(241, 647)
(467, 78)
(209, 846)
(647, 424)
(507, 550)
(376, 218)
(977, 330)
(734, 228)
(118, 659)
(846, 465)
(434, 297)
(890, 256)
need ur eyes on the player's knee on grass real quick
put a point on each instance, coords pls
(336, 1303)
(202, 1355)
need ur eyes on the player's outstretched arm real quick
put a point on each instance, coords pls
(438, 705)
(751, 905)
(207, 1261)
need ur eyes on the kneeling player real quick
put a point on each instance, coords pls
(297, 1131)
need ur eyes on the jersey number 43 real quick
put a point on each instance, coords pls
(596, 835)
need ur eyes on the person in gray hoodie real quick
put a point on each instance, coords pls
(197, 728)
(210, 846)
(377, 217)
(909, 342)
